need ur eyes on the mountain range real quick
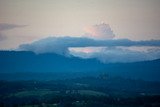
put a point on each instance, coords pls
(19, 65)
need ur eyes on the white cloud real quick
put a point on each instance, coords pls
(116, 54)
(100, 31)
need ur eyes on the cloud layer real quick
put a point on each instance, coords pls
(117, 54)
(61, 45)
(100, 44)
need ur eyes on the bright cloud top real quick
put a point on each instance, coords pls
(100, 31)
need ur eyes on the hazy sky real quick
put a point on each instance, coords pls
(132, 19)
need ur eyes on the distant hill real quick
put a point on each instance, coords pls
(27, 65)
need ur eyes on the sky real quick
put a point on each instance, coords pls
(24, 21)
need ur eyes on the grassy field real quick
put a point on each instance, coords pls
(90, 92)
(38, 93)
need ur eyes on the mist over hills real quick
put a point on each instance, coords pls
(107, 50)
(28, 65)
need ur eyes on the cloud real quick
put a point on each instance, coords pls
(57, 45)
(7, 26)
(100, 31)
(60, 45)
(117, 54)
(125, 55)
(100, 44)
(104, 50)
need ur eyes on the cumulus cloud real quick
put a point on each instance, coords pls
(100, 31)
(7, 26)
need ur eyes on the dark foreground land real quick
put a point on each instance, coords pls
(80, 92)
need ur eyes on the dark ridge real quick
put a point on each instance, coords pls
(23, 64)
